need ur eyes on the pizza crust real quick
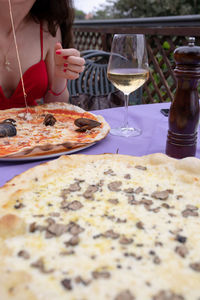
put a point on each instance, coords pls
(15, 285)
(189, 166)
(11, 225)
(67, 145)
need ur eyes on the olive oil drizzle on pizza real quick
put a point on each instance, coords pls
(18, 59)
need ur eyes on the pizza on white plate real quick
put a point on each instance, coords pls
(49, 128)
(107, 227)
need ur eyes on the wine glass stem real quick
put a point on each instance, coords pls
(126, 100)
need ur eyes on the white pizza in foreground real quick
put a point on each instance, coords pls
(107, 227)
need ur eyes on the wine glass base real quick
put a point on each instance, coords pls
(125, 132)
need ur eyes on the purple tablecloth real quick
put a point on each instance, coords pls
(153, 138)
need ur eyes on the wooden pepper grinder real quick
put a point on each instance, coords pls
(184, 111)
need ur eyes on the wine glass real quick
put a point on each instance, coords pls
(128, 69)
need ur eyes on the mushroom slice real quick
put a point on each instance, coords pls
(85, 124)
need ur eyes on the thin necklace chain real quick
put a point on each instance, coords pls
(18, 59)
(6, 62)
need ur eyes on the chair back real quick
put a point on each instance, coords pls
(92, 90)
(93, 80)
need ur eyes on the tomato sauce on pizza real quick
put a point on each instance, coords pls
(48, 128)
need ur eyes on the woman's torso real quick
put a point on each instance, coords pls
(31, 52)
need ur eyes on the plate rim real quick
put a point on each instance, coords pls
(45, 156)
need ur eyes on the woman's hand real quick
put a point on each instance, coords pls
(68, 63)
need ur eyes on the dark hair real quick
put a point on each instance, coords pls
(57, 13)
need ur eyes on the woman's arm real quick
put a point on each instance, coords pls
(62, 64)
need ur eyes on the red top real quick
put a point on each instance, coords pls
(35, 83)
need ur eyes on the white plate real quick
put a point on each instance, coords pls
(48, 156)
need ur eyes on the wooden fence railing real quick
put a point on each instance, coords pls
(163, 35)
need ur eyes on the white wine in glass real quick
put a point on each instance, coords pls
(128, 70)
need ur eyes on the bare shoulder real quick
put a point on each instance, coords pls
(49, 41)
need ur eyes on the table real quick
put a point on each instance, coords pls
(152, 140)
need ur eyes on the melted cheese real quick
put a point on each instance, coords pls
(145, 266)
(32, 132)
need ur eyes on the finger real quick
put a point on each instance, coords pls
(57, 58)
(66, 73)
(71, 74)
(71, 68)
(68, 52)
(75, 68)
(57, 49)
(74, 60)
(58, 46)
(71, 60)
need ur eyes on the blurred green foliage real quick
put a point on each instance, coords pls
(146, 8)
